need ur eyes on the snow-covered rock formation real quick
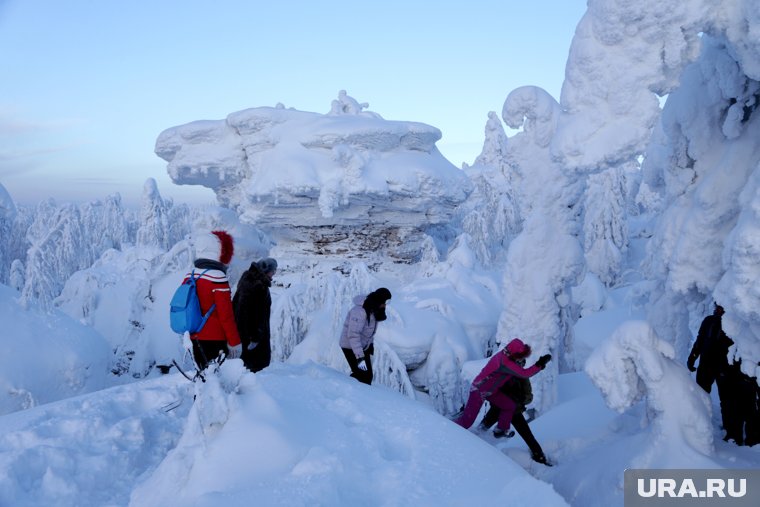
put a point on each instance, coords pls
(344, 182)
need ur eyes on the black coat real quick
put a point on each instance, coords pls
(711, 348)
(252, 305)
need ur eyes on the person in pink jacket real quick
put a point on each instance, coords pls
(500, 368)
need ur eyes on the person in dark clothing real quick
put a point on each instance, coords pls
(252, 305)
(752, 427)
(358, 334)
(521, 392)
(741, 411)
(711, 348)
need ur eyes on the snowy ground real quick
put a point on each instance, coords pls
(301, 433)
(308, 435)
(292, 435)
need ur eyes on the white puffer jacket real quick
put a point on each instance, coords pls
(358, 333)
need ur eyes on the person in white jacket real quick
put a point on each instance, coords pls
(358, 335)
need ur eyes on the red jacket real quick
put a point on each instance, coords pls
(214, 287)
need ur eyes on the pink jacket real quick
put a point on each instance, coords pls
(502, 367)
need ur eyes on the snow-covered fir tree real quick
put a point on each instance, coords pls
(7, 217)
(490, 215)
(55, 254)
(605, 226)
(108, 224)
(155, 225)
(16, 277)
(699, 250)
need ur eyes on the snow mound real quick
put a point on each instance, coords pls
(47, 356)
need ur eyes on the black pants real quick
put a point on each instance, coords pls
(259, 357)
(738, 405)
(519, 424)
(205, 351)
(362, 376)
(753, 418)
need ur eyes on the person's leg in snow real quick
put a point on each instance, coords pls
(205, 351)
(365, 377)
(471, 409)
(523, 429)
(492, 415)
(506, 406)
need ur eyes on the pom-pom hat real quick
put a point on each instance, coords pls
(518, 349)
(216, 246)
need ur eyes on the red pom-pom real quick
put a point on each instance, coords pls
(228, 246)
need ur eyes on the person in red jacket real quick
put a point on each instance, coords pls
(213, 252)
(502, 367)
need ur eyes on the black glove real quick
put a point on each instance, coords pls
(691, 367)
(543, 360)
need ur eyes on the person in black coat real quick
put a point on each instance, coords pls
(252, 305)
(711, 348)
(740, 419)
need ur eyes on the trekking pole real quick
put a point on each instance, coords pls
(197, 373)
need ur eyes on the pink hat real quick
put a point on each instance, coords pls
(517, 349)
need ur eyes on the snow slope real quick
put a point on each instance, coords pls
(292, 436)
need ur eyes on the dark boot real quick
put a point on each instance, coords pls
(540, 458)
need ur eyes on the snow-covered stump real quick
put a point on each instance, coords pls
(634, 364)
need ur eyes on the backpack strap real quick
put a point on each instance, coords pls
(192, 281)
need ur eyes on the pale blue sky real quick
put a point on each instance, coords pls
(87, 86)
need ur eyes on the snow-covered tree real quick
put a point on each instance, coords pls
(44, 217)
(701, 249)
(494, 152)
(622, 56)
(605, 228)
(490, 215)
(7, 216)
(107, 224)
(635, 365)
(55, 256)
(546, 259)
(155, 222)
(16, 278)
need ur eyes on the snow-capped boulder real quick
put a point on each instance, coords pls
(345, 176)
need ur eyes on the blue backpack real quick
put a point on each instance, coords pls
(185, 308)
